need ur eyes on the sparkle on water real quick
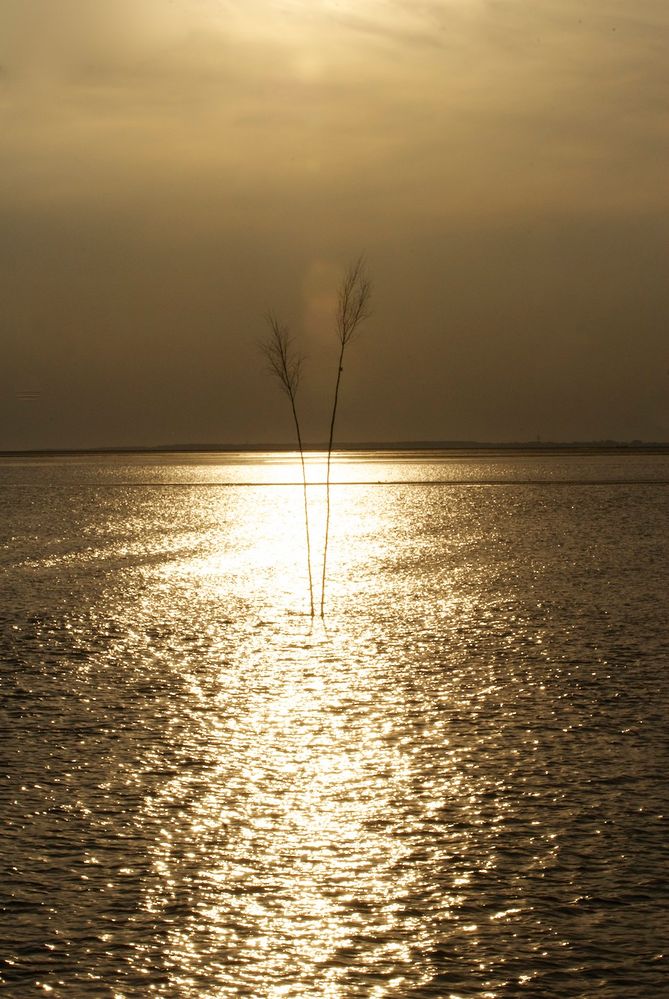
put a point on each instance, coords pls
(452, 786)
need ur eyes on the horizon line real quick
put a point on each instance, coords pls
(397, 445)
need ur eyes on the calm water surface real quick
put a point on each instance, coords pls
(453, 786)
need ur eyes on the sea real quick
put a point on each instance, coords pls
(452, 783)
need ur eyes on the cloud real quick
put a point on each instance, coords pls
(468, 108)
(172, 169)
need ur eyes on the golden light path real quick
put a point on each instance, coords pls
(287, 809)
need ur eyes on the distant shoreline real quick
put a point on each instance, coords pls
(538, 447)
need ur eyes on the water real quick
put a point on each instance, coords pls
(454, 785)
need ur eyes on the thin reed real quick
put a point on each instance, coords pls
(352, 309)
(285, 363)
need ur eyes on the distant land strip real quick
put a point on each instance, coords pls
(538, 447)
(422, 483)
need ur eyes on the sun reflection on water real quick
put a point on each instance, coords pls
(419, 795)
(290, 834)
(289, 827)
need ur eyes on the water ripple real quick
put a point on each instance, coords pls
(453, 786)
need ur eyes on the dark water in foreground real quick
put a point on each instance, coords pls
(454, 786)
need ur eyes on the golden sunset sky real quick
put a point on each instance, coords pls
(173, 168)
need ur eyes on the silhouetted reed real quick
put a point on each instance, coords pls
(352, 309)
(285, 363)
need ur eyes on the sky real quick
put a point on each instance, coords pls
(173, 169)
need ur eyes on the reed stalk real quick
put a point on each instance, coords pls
(352, 309)
(285, 363)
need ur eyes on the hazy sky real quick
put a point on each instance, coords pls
(173, 168)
